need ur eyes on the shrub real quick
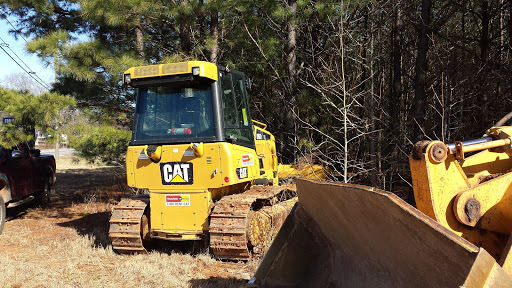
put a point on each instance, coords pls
(104, 143)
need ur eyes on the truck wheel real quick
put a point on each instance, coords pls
(44, 197)
(2, 214)
(47, 192)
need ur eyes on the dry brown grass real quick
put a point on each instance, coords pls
(69, 161)
(67, 245)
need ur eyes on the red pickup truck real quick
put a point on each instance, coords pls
(25, 175)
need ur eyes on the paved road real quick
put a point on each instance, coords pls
(62, 151)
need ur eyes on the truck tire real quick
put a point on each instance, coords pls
(44, 197)
(47, 192)
(2, 214)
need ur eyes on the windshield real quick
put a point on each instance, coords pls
(174, 114)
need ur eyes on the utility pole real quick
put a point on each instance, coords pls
(55, 59)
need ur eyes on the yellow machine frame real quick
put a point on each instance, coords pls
(180, 212)
(471, 196)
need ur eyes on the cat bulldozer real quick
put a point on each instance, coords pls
(205, 169)
(345, 235)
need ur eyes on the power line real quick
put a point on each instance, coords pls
(15, 52)
(28, 68)
(29, 73)
(14, 27)
(8, 46)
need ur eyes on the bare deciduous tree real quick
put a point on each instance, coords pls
(22, 82)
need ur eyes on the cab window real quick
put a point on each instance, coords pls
(174, 114)
(236, 116)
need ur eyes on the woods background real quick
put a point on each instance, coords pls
(350, 84)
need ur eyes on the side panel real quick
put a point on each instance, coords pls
(5, 189)
(19, 173)
(130, 167)
(266, 149)
(183, 186)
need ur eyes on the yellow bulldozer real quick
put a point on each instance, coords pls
(205, 169)
(460, 235)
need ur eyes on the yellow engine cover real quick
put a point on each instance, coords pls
(183, 186)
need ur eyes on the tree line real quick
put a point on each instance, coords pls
(350, 84)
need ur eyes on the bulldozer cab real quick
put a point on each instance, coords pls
(198, 102)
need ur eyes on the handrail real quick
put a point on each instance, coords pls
(261, 124)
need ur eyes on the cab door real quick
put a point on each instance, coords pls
(20, 169)
(235, 109)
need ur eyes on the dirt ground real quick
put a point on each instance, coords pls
(67, 244)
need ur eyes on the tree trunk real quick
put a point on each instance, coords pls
(290, 100)
(502, 31)
(420, 95)
(345, 107)
(373, 152)
(396, 87)
(139, 38)
(484, 37)
(185, 39)
(447, 108)
(510, 26)
(484, 53)
(395, 122)
(185, 31)
(57, 144)
(214, 50)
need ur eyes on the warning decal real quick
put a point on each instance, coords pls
(177, 200)
(247, 160)
(176, 173)
(143, 155)
(244, 114)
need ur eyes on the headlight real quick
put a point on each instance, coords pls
(127, 78)
(196, 71)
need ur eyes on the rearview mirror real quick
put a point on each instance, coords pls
(17, 154)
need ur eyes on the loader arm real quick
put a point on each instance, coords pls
(472, 195)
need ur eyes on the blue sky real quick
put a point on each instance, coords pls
(18, 46)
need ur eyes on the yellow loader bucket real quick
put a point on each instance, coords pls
(341, 235)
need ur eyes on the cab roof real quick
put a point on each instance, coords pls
(206, 70)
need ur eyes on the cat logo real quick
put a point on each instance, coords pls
(241, 173)
(176, 173)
